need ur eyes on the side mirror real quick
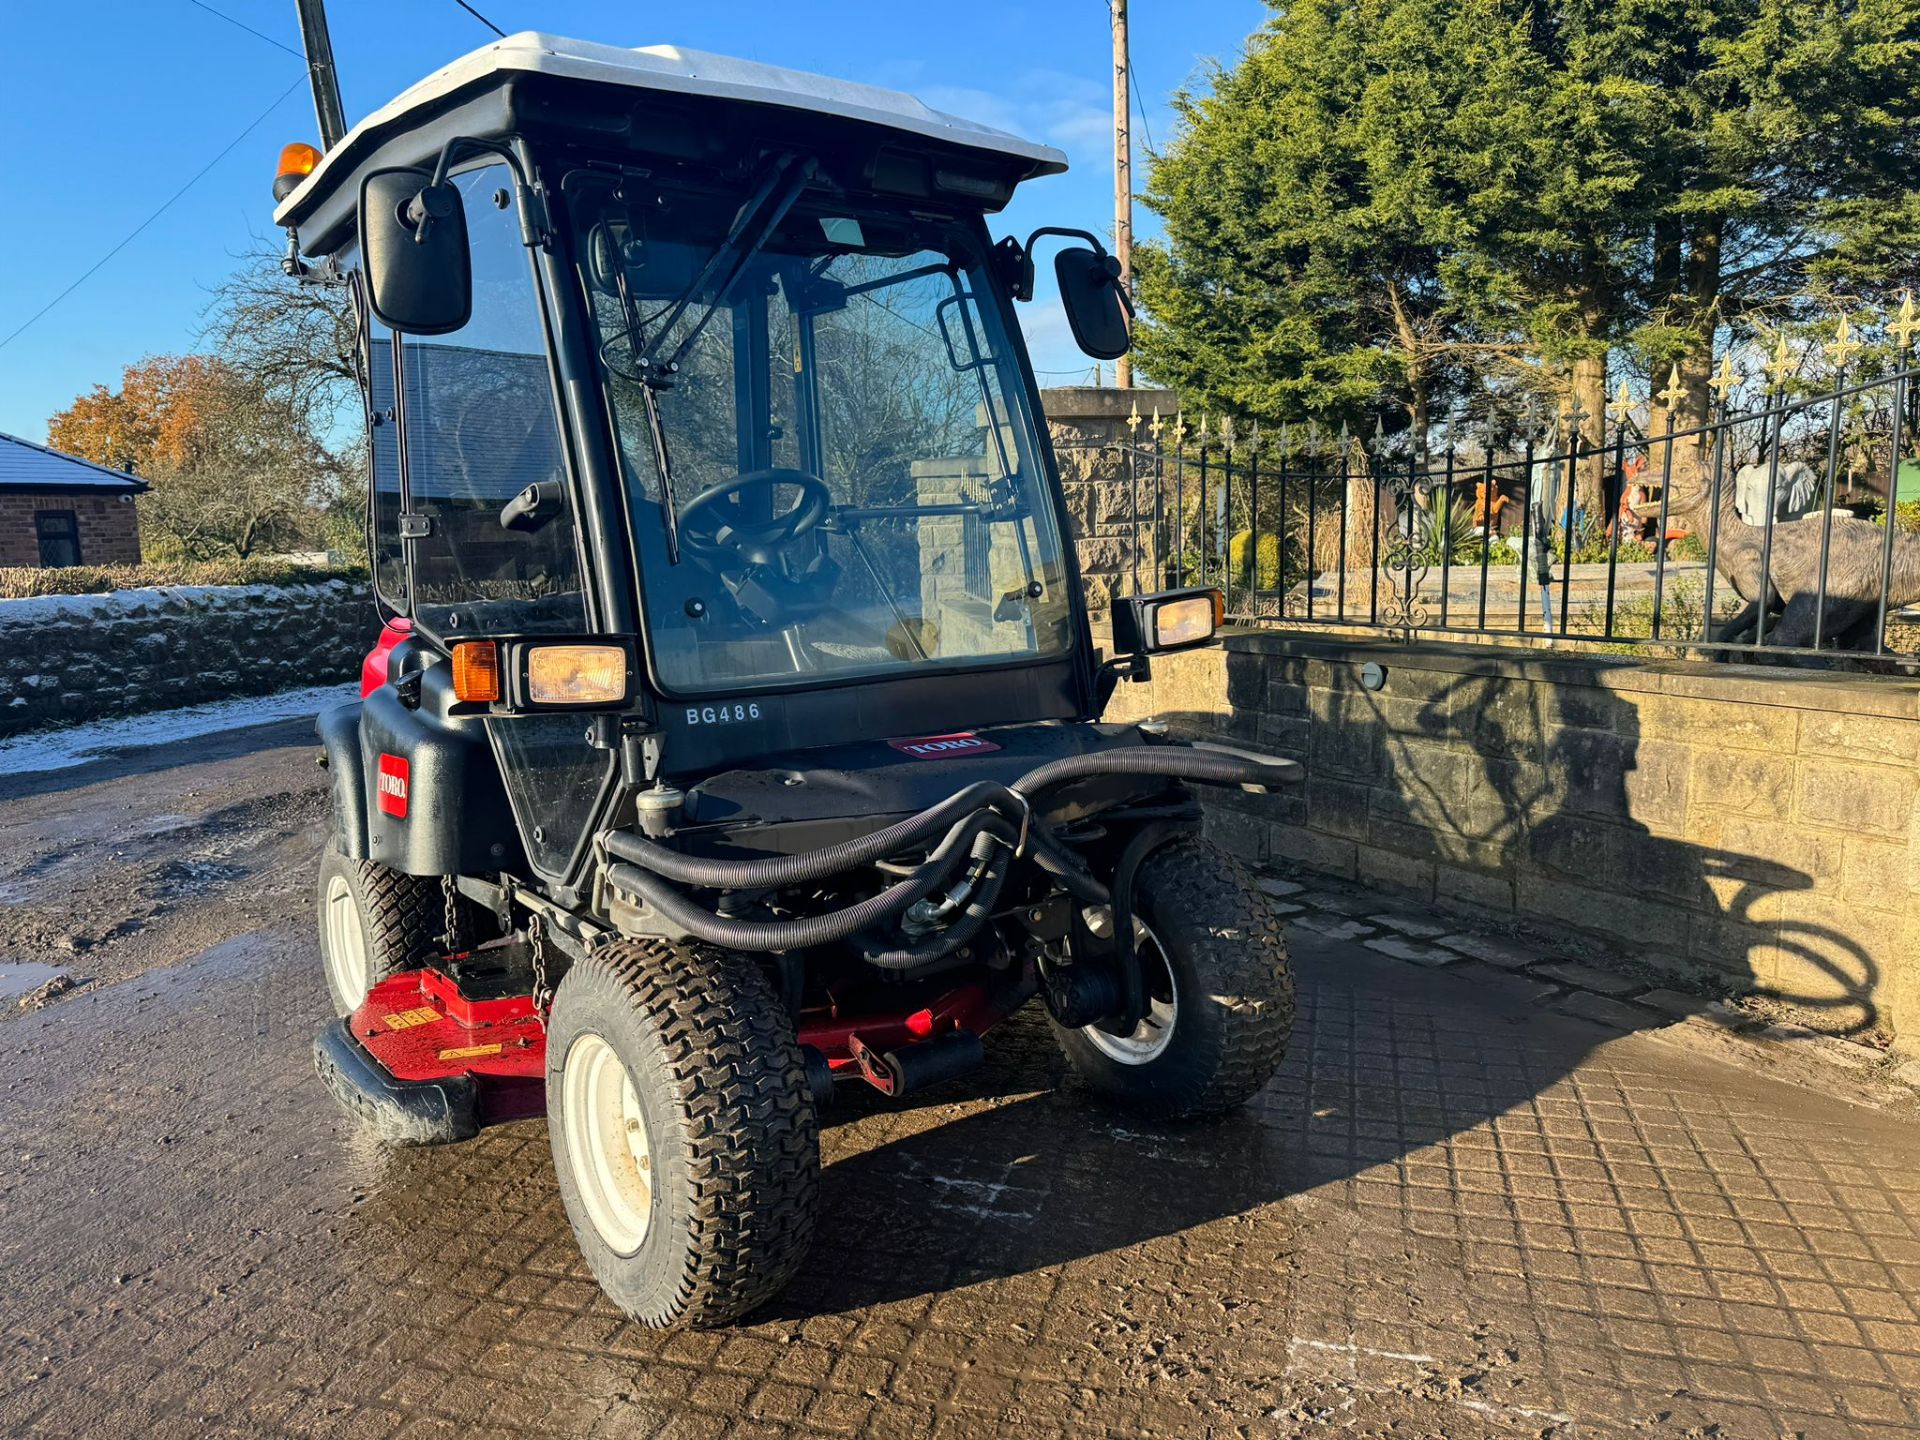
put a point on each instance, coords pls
(1096, 306)
(413, 238)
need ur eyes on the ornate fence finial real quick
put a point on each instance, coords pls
(1576, 416)
(1286, 437)
(1675, 393)
(1725, 378)
(1843, 347)
(1622, 405)
(1133, 421)
(1156, 427)
(1781, 366)
(1226, 433)
(1313, 436)
(1903, 327)
(1379, 433)
(1180, 428)
(1253, 444)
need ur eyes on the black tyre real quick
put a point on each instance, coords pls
(683, 1131)
(1219, 987)
(374, 922)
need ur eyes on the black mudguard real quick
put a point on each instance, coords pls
(339, 731)
(431, 790)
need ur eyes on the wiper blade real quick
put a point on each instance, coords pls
(752, 227)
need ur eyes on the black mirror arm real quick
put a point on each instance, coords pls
(433, 201)
(1019, 258)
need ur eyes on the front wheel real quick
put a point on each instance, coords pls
(1218, 986)
(683, 1131)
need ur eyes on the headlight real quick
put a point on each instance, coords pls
(576, 674)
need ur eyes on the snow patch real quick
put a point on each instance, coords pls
(77, 744)
(38, 609)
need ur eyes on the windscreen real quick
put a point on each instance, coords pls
(829, 463)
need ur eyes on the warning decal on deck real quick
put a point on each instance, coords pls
(469, 1052)
(407, 1019)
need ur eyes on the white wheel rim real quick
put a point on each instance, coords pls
(346, 942)
(1150, 1038)
(607, 1143)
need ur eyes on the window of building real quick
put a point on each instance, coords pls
(59, 535)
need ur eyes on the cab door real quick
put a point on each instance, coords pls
(480, 424)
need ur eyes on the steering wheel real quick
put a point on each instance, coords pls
(709, 532)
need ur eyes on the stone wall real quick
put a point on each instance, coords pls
(73, 657)
(1734, 826)
(109, 527)
(1105, 489)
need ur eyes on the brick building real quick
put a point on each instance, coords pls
(57, 509)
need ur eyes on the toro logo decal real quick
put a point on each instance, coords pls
(941, 747)
(391, 786)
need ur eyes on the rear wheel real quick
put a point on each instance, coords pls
(374, 922)
(683, 1131)
(1218, 985)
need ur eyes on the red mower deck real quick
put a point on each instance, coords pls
(418, 1026)
(453, 1062)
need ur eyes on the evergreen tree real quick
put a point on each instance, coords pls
(1386, 201)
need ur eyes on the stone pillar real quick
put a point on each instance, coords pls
(1104, 484)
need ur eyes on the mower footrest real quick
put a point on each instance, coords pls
(400, 1112)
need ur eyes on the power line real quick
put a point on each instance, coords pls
(481, 18)
(242, 25)
(165, 205)
(1133, 84)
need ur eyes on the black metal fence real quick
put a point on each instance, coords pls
(1587, 533)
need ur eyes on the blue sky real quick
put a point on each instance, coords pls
(109, 106)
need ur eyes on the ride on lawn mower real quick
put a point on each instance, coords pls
(734, 729)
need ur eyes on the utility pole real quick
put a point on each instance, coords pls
(326, 81)
(1122, 173)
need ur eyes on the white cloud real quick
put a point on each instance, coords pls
(1066, 110)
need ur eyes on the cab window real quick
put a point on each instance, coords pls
(481, 429)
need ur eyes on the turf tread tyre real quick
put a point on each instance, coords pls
(1229, 952)
(736, 1225)
(401, 916)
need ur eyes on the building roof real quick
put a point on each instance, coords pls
(27, 466)
(686, 72)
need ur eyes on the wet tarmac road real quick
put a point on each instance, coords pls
(1451, 1215)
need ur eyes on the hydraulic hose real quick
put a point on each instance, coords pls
(785, 870)
(1176, 762)
(766, 935)
(977, 819)
(887, 954)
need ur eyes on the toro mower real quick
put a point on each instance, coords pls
(733, 734)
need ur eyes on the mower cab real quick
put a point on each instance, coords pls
(737, 703)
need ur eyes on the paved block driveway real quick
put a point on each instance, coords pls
(1453, 1214)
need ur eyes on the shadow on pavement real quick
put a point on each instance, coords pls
(1387, 1059)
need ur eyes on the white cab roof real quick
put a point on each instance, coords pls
(692, 72)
